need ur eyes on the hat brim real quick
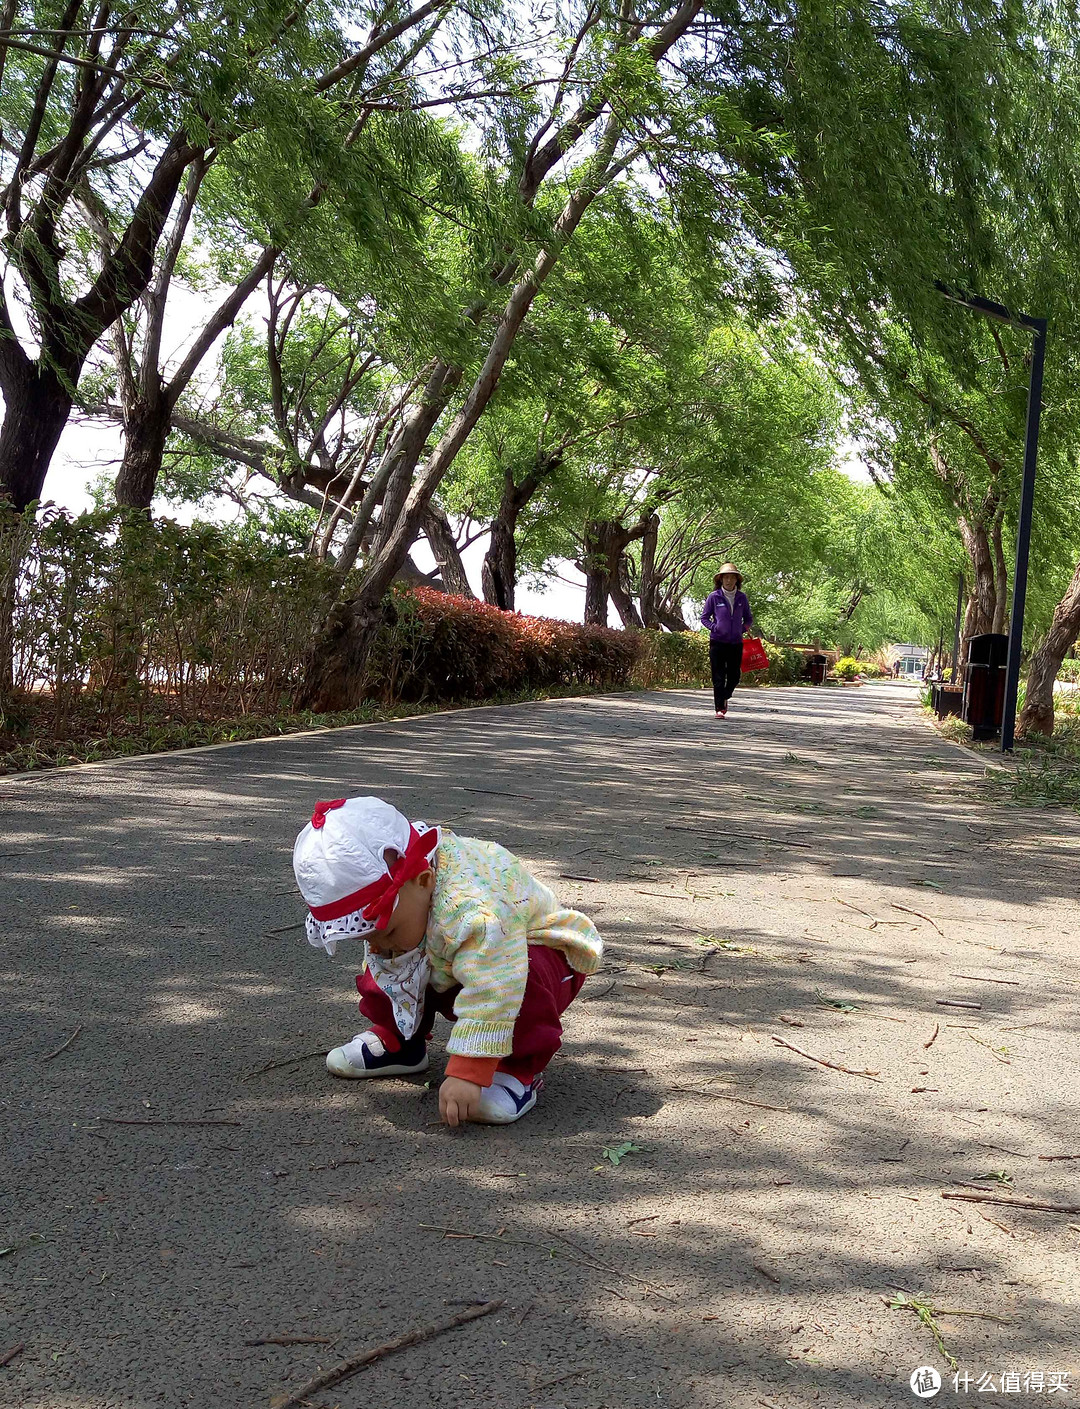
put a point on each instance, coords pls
(328, 934)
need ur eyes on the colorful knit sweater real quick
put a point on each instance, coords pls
(486, 910)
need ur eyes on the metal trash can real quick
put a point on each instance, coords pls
(817, 667)
(984, 684)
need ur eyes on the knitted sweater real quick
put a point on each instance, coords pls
(485, 912)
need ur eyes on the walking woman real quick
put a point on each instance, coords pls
(728, 616)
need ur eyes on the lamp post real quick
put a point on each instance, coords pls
(1037, 328)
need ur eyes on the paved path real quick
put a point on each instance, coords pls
(828, 843)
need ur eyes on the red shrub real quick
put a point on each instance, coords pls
(451, 648)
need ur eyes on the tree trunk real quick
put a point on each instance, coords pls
(670, 618)
(594, 564)
(621, 592)
(1037, 716)
(983, 603)
(36, 408)
(1001, 578)
(650, 585)
(440, 537)
(604, 566)
(499, 574)
(146, 429)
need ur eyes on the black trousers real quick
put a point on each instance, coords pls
(725, 662)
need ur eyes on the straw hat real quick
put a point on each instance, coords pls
(729, 567)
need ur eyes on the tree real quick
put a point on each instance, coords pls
(105, 114)
(611, 106)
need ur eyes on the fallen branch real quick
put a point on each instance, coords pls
(996, 1055)
(985, 978)
(592, 997)
(357, 1362)
(1010, 1203)
(291, 1340)
(65, 1046)
(722, 1096)
(1059, 1156)
(9, 1355)
(566, 876)
(909, 911)
(123, 1120)
(494, 792)
(287, 929)
(933, 1036)
(568, 1375)
(955, 1003)
(666, 894)
(285, 1062)
(833, 1066)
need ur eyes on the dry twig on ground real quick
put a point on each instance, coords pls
(909, 911)
(64, 1046)
(1037, 1204)
(357, 1362)
(833, 1066)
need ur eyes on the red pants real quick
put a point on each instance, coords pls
(551, 987)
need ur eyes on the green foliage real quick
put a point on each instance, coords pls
(847, 668)
(212, 617)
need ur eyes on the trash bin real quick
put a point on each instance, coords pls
(946, 699)
(984, 684)
(817, 667)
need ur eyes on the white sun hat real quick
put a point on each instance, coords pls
(340, 864)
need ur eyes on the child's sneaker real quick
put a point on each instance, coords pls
(506, 1099)
(366, 1055)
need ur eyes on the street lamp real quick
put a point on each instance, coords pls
(1037, 328)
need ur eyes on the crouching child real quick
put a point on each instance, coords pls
(450, 925)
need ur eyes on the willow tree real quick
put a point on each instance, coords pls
(106, 111)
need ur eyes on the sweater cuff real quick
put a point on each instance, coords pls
(470, 1037)
(476, 1069)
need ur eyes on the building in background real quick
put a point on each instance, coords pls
(907, 662)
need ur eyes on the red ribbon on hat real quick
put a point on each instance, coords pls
(377, 900)
(318, 817)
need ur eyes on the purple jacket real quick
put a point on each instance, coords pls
(726, 623)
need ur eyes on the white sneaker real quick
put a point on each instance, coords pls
(506, 1099)
(366, 1055)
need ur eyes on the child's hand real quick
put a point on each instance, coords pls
(458, 1100)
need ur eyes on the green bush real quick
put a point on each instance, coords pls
(675, 658)
(114, 605)
(847, 668)
(786, 667)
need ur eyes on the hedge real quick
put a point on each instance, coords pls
(116, 615)
(445, 648)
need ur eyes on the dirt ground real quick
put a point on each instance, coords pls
(817, 870)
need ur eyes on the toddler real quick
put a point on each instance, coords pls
(450, 925)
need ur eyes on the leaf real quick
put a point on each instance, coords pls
(935, 884)
(840, 1004)
(617, 1153)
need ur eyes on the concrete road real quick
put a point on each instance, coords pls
(817, 870)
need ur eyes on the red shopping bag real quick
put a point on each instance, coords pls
(753, 654)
